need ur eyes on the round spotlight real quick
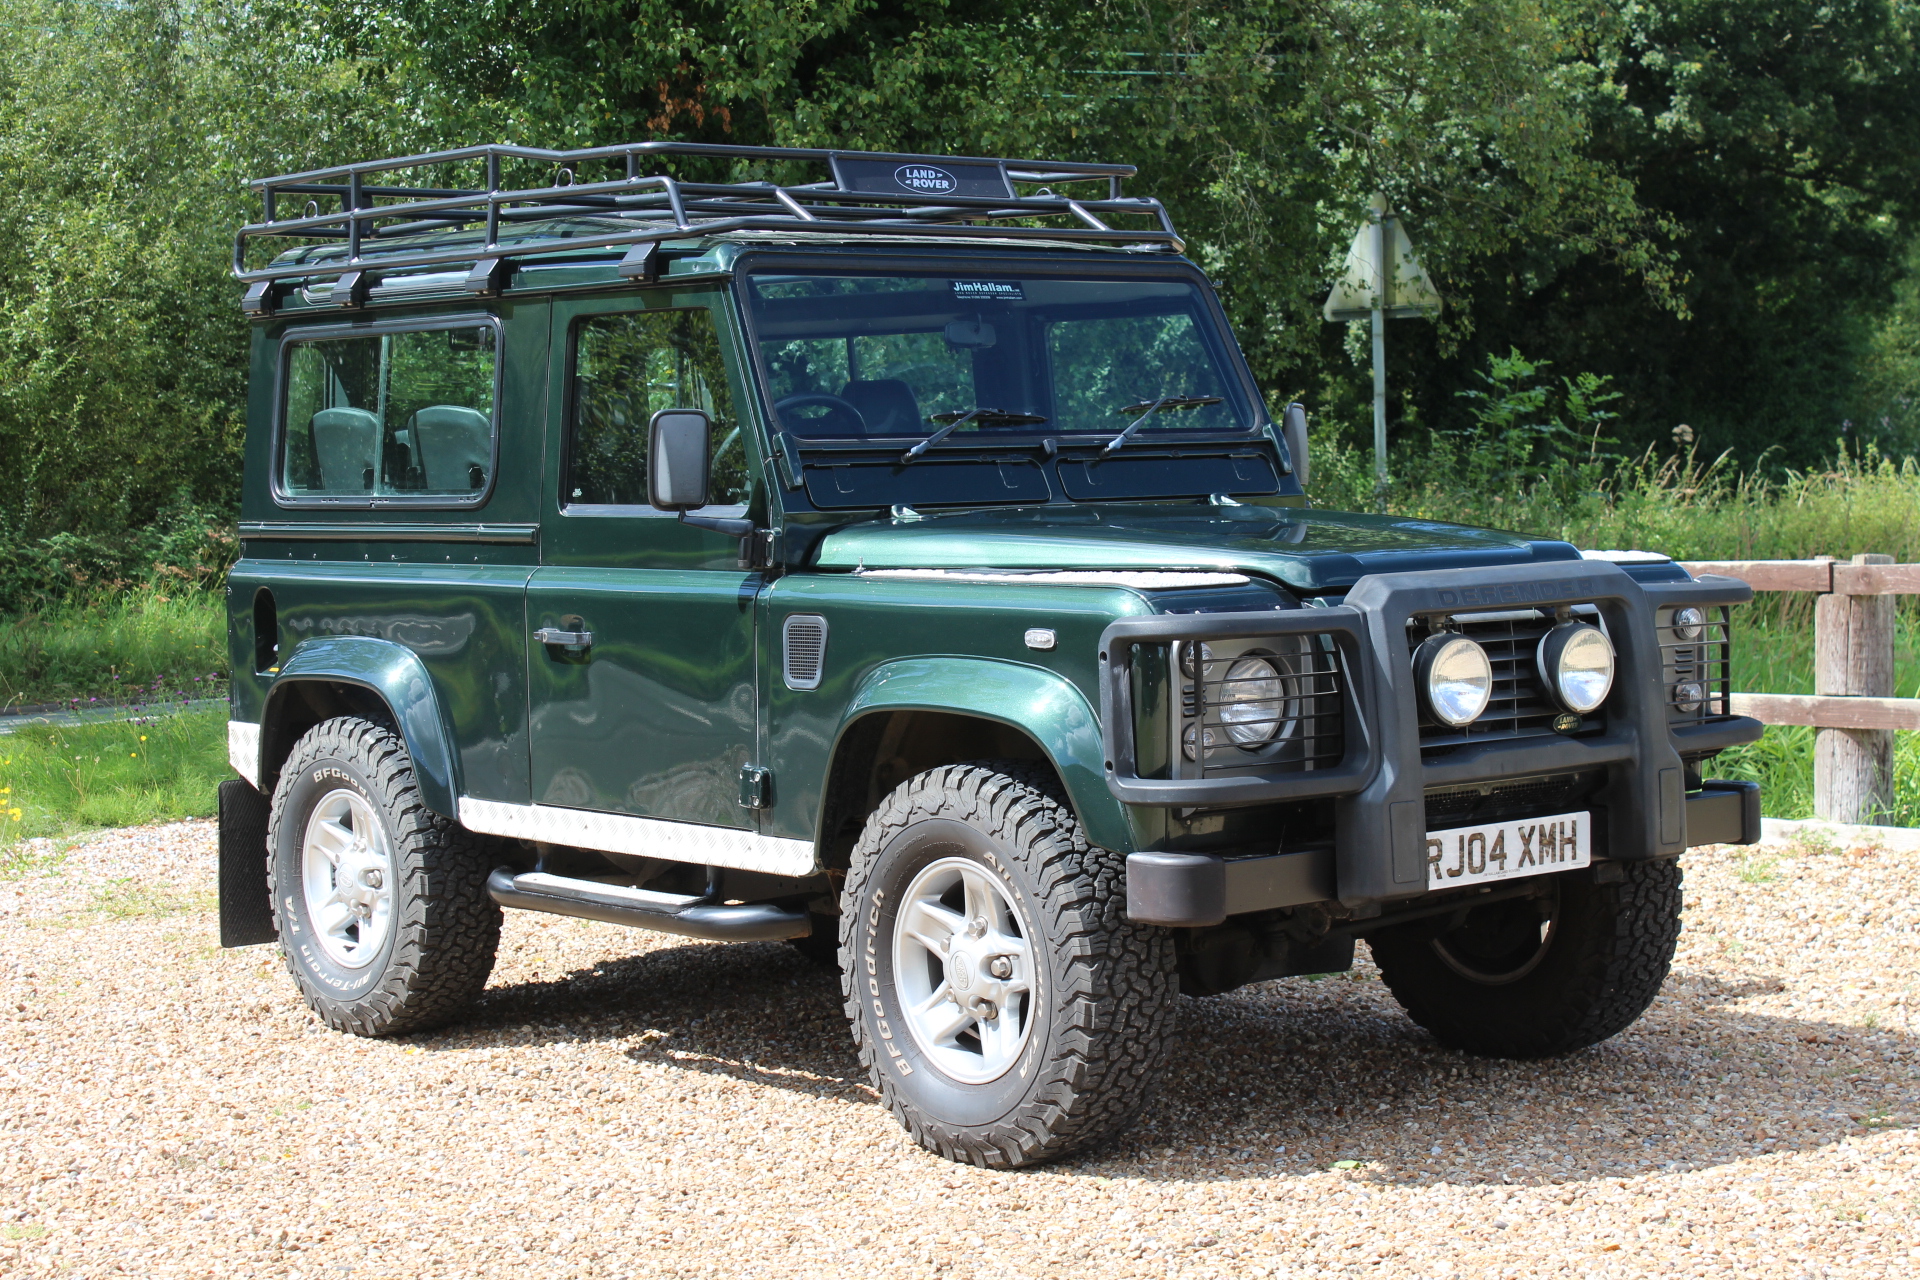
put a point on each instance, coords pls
(1249, 701)
(1689, 622)
(1576, 663)
(1455, 678)
(1689, 696)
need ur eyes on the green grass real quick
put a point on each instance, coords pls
(1683, 505)
(139, 646)
(55, 781)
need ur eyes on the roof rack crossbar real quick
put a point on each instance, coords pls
(493, 153)
(660, 207)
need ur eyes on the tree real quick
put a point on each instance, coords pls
(1779, 141)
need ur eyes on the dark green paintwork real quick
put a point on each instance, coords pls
(459, 605)
(940, 646)
(396, 672)
(658, 717)
(1306, 549)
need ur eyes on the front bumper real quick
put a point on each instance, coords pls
(1380, 781)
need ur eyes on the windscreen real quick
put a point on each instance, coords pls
(852, 356)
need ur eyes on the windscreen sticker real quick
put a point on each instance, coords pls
(988, 291)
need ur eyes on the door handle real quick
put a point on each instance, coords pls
(573, 641)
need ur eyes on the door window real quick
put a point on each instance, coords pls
(626, 368)
(393, 415)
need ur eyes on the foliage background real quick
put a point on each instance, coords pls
(1707, 202)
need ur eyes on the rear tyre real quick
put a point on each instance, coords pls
(1538, 977)
(381, 904)
(1007, 1009)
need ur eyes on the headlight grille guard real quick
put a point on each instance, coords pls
(1344, 627)
(1379, 787)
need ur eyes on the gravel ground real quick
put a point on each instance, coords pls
(626, 1104)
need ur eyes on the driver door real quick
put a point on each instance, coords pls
(654, 716)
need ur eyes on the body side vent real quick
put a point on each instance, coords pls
(805, 639)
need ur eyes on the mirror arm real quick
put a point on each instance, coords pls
(738, 527)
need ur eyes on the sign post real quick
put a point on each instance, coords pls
(1382, 280)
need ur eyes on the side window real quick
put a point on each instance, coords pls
(626, 368)
(390, 415)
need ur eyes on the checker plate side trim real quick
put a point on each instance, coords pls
(243, 750)
(640, 837)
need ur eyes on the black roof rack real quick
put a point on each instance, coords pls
(349, 208)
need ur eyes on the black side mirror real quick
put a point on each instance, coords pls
(680, 468)
(1293, 429)
(677, 461)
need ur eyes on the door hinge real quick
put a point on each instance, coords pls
(756, 786)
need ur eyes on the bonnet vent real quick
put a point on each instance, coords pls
(806, 650)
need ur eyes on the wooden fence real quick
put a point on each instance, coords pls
(1852, 704)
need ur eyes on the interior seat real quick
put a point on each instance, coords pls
(453, 446)
(888, 405)
(345, 444)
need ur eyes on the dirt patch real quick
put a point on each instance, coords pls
(627, 1104)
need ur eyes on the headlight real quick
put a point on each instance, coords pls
(1688, 623)
(1689, 696)
(1455, 678)
(1249, 701)
(1576, 663)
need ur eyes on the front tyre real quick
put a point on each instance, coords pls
(1538, 977)
(381, 904)
(1007, 1009)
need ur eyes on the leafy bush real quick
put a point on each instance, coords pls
(153, 645)
(188, 547)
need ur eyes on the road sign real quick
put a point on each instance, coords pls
(1382, 280)
(1403, 292)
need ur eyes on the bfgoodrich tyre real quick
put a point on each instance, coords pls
(1537, 977)
(381, 903)
(1007, 1009)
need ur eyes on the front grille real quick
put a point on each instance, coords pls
(1264, 703)
(1520, 706)
(1697, 672)
(1518, 798)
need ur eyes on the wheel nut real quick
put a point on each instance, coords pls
(1000, 967)
(977, 927)
(372, 877)
(988, 1010)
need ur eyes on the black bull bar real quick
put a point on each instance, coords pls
(1380, 781)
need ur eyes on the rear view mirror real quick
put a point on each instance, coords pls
(677, 461)
(1293, 429)
(970, 335)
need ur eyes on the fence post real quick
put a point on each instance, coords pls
(1853, 656)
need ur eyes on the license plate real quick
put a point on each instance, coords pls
(1504, 850)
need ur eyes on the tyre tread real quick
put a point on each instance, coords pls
(447, 926)
(1614, 981)
(1114, 1006)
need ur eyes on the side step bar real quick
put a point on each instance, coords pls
(645, 909)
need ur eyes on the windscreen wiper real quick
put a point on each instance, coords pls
(954, 421)
(1147, 409)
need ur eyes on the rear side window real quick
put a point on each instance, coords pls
(394, 415)
(626, 368)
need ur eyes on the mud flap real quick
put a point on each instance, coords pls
(246, 913)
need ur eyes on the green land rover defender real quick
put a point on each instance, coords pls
(894, 555)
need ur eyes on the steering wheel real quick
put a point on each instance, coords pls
(840, 418)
